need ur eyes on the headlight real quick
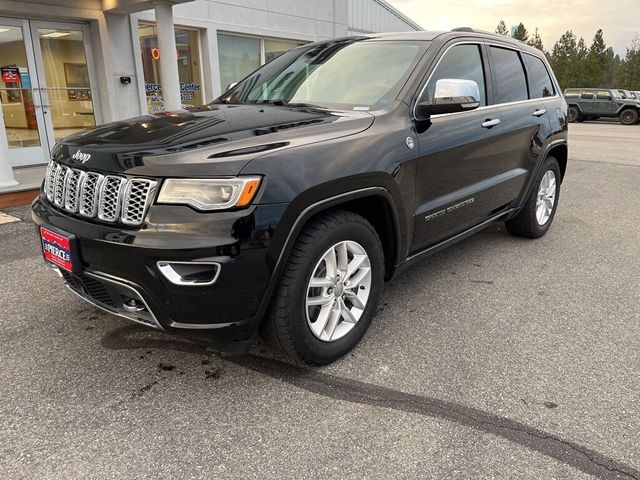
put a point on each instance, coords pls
(209, 193)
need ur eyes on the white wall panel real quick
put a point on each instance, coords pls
(370, 16)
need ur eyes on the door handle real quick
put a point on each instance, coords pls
(539, 112)
(491, 123)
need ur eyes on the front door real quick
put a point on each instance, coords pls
(461, 161)
(46, 87)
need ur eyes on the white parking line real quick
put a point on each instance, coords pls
(6, 218)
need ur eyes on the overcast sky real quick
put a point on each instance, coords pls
(620, 19)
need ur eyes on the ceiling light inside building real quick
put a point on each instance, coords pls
(56, 34)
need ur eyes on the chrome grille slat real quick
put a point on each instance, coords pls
(72, 190)
(58, 192)
(89, 194)
(50, 180)
(136, 198)
(110, 198)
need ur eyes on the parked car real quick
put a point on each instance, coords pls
(284, 205)
(628, 94)
(593, 103)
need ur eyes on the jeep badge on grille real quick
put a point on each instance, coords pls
(81, 157)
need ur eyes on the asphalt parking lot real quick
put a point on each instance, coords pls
(497, 358)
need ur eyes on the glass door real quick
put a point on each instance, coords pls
(65, 76)
(46, 86)
(24, 122)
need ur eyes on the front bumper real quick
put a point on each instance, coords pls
(120, 264)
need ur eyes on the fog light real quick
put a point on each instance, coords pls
(132, 305)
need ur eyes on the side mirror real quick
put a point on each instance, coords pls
(451, 95)
(230, 86)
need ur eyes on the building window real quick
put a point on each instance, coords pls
(241, 55)
(189, 66)
(274, 48)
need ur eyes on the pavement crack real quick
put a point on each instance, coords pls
(354, 391)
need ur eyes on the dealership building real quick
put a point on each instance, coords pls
(67, 65)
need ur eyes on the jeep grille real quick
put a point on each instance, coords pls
(108, 198)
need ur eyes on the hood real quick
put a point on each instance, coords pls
(206, 141)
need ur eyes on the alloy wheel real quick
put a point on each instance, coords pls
(338, 291)
(546, 197)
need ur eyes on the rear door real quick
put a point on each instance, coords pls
(526, 124)
(604, 104)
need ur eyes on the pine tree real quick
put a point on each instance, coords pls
(596, 61)
(630, 69)
(536, 41)
(521, 33)
(613, 64)
(568, 58)
(502, 29)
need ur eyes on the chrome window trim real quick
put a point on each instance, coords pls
(488, 43)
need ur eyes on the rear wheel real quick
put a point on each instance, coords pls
(538, 212)
(329, 291)
(574, 113)
(629, 116)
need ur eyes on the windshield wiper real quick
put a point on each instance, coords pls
(282, 103)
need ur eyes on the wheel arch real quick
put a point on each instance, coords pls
(561, 153)
(376, 204)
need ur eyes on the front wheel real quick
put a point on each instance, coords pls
(573, 115)
(629, 116)
(538, 212)
(329, 291)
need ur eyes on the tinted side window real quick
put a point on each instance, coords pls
(587, 95)
(511, 82)
(604, 95)
(572, 94)
(462, 62)
(539, 79)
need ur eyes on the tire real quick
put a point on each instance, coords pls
(629, 116)
(527, 223)
(296, 328)
(573, 115)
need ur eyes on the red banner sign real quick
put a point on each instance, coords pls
(10, 74)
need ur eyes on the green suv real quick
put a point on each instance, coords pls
(593, 103)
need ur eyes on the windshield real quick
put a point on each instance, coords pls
(616, 94)
(348, 74)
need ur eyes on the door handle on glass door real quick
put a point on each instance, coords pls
(539, 112)
(491, 123)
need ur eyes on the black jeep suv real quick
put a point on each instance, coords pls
(284, 205)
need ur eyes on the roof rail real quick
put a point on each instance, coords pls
(463, 29)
